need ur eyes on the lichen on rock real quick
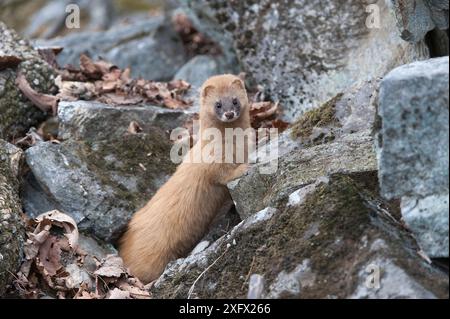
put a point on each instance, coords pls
(17, 113)
(332, 234)
(12, 230)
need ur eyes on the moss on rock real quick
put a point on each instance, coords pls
(11, 225)
(17, 113)
(334, 229)
(322, 117)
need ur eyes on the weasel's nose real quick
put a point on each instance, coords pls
(229, 115)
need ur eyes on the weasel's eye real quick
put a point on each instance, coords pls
(235, 101)
(218, 105)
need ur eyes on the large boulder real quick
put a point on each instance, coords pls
(304, 55)
(150, 47)
(414, 148)
(338, 240)
(87, 120)
(12, 230)
(100, 183)
(336, 137)
(353, 154)
(17, 113)
(414, 112)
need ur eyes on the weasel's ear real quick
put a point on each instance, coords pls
(238, 84)
(207, 90)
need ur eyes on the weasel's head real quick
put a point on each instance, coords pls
(224, 97)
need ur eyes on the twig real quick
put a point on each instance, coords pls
(204, 271)
(249, 272)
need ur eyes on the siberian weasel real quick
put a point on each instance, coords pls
(178, 215)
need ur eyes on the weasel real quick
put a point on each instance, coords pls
(179, 214)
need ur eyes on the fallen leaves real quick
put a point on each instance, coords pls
(9, 61)
(45, 102)
(55, 266)
(105, 82)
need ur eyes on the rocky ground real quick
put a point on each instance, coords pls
(358, 205)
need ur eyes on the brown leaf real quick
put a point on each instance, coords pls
(134, 287)
(63, 221)
(94, 70)
(116, 99)
(111, 267)
(134, 128)
(44, 102)
(50, 256)
(73, 90)
(9, 61)
(263, 110)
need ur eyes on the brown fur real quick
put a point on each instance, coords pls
(179, 214)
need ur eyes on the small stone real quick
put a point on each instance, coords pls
(255, 287)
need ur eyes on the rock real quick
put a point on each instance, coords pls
(12, 230)
(428, 219)
(86, 120)
(353, 153)
(49, 20)
(340, 241)
(331, 53)
(17, 113)
(414, 147)
(200, 68)
(99, 183)
(336, 137)
(150, 47)
(348, 112)
(416, 18)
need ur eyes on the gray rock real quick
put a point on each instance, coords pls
(12, 229)
(414, 147)
(428, 219)
(348, 112)
(302, 52)
(99, 183)
(353, 153)
(87, 120)
(200, 68)
(150, 47)
(17, 113)
(332, 244)
(416, 18)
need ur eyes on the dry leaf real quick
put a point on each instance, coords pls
(64, 221)
(111, 267)
(9, 61)
(95, 70)
(44, 102)
(50, 256)
(134, 128)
